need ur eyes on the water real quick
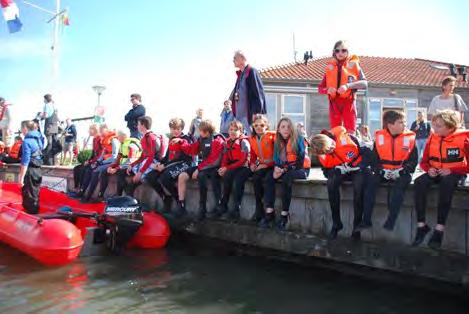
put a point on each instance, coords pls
(200, 280)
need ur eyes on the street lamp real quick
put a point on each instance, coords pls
(99, 111)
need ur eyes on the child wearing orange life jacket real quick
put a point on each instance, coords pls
(261, 160)
(445, 161)
(13, 154)
(291, 162)
(342, 78)
(342, 158)
(393, 160)
(234, 170)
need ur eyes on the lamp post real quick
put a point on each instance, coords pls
(99, 111)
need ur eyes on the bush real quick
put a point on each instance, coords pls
(84, 155)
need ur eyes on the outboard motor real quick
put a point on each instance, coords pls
(121, 220)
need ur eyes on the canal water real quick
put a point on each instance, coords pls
(188, 279)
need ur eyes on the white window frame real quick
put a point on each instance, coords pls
(273, 124)
(283, 113)
(381, 100)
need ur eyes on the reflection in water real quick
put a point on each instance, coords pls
(183, 280)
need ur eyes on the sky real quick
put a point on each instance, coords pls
(178, 54)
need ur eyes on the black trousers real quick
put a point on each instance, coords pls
(153, 179)
(234, 180)
(258, 182)
(30, 190)
(169, 177)
(203, 177)
(396, 192)
(287, 182)
(334, 181)
(447, 186)
(49, 152)
(86, 177)
(125, 183)
(78, 175)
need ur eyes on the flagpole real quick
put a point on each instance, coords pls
(55, 46)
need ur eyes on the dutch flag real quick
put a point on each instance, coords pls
(11, 14)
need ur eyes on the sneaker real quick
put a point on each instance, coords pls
(436, 239)
(335, 230)
(282, 223)
(201, 214)
(180, 209)
(420, 236)
(356, 235)
(267, 221)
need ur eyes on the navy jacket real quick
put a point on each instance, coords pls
(132, 116)
(256, 96)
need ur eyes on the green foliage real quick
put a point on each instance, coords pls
(84, 155)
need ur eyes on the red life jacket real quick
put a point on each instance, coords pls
(346, 150)
(162, 144)
(15, 150)
(175, 153)
(234, 149)
(106, 143)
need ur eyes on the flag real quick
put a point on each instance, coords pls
(65, 19)
(11, 14)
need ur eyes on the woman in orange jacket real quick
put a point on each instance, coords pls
(343, 76)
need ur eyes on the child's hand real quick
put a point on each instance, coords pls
(176, 140)
(331, 91)
(222, 171)
(261, 166)
(342, 89)
(278, 172)
(111, 170)
(195, 174)
(159, 167)
(137, 177)
(444, 172)
(432, 172)
(253, 167)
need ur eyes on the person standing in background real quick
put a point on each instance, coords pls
(248, 96)
(51, 128)
(226, 117)
(448, 100)
(5, 121)
(194, 127)
(422, 130)
(137, 111)
(70, 139)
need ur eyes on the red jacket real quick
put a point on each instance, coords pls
(237, 153)
(213, 158)
(425, 164)
(148, 143)
(97, 149)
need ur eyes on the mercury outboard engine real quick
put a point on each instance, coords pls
(121, 220)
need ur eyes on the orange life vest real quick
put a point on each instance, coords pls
(263, 147)
(447, 152)
(15, 150)
(346, 150)
(393, 151)
(106, 143)
(292, 155)
(350, 72)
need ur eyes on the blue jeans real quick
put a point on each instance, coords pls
(420, 143)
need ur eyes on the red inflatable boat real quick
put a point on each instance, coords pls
(55, 236)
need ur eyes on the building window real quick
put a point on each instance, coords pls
(271, 107)
(378, 106)
(293, 106)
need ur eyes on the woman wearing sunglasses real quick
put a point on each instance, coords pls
(343, 76)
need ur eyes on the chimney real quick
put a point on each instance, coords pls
(452, 70)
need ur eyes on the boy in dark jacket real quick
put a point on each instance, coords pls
(165, 176)
(211, 146)
(342, 158)
(30, 175)
(393, 160)
(137, 111)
